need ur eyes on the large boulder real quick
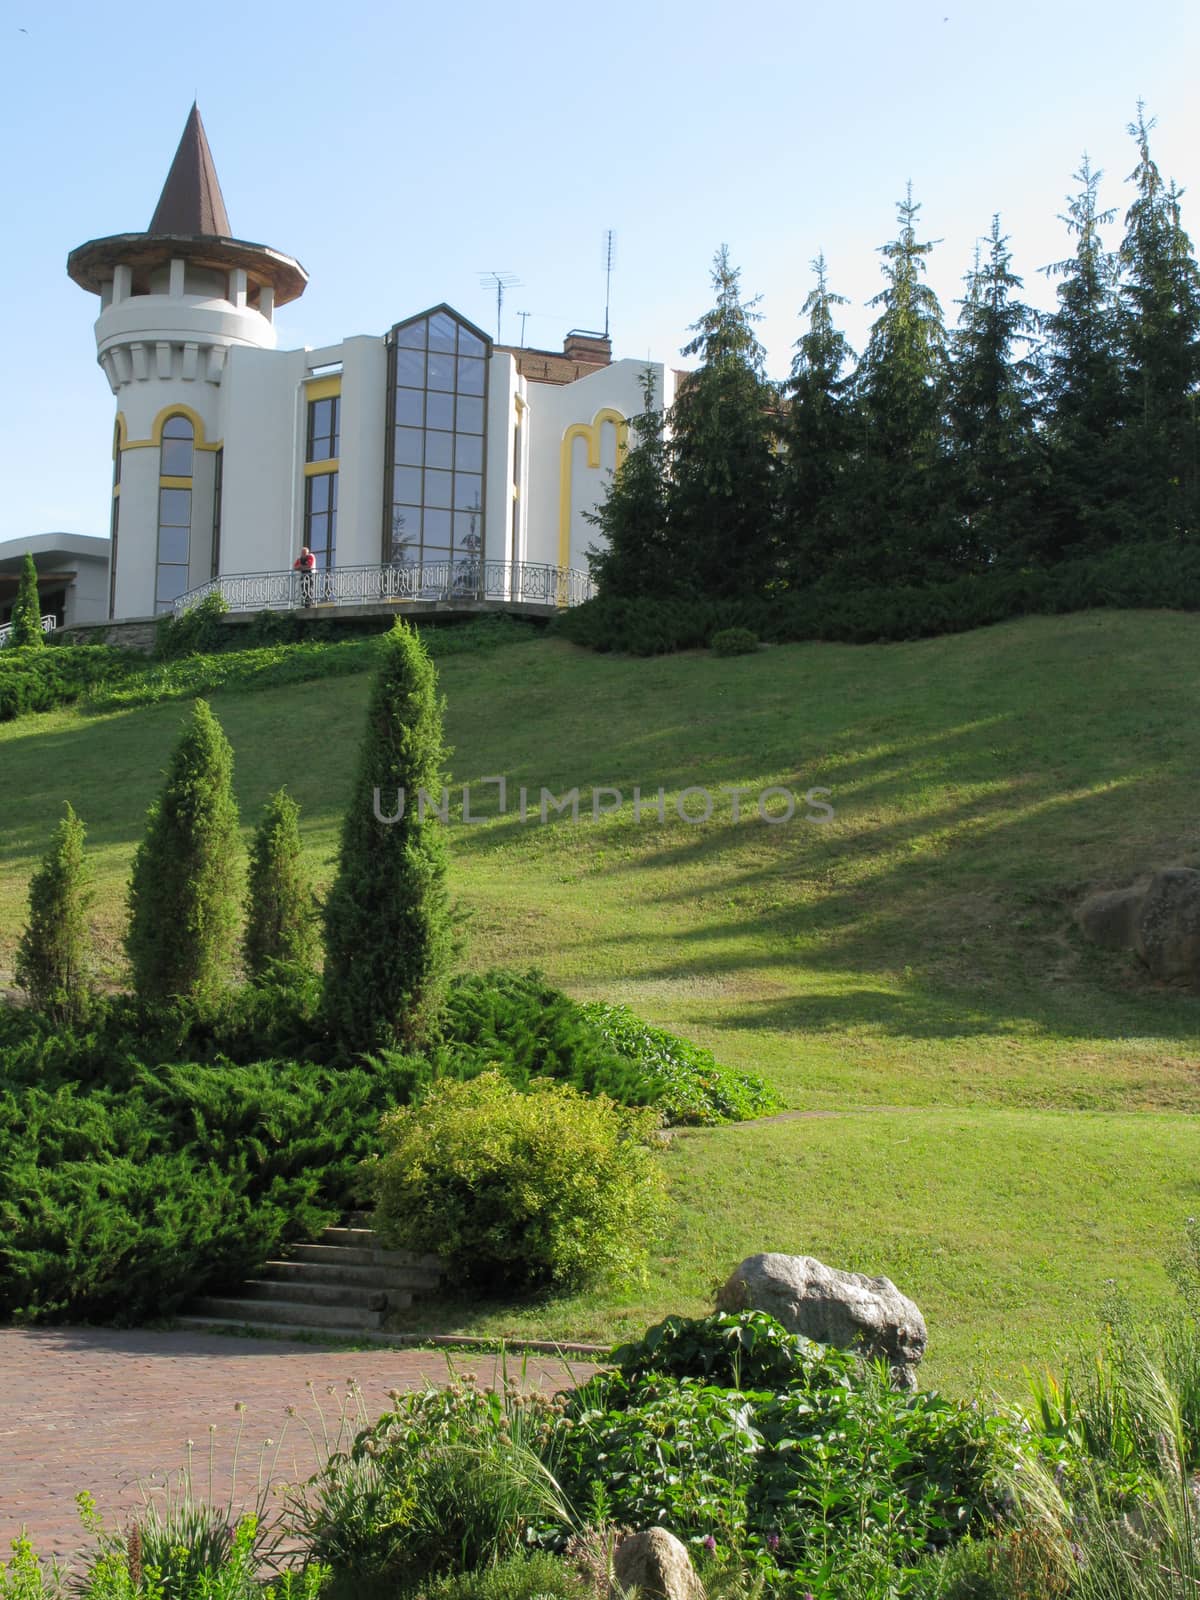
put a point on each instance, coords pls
(1158, 919)
(846, 1309)
(654, 1563)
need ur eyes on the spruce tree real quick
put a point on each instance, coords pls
(637, 558)
(26, 616)
(993, 408)
(53, 961)
(280, 925)
(1160, 340)
(184, 897)
(818, 432)
(720, 498)
(1082, 385)
(388, 923)
(905, 531)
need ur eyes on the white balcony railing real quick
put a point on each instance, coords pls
(48, 626)
(502, 581)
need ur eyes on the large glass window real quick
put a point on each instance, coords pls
(438, 377)
(320, 518)
(324, 422)
(218, 483)
(174, 539)
(174, 511)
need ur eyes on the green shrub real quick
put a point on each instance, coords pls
(532, 1575)
(184, 905)
(520, 1191)
(198, 631)
(47, 679)
(26, 616)
(389, 934)
(53, 957)
(745, 1350)
(733, 642)
(281, 909)
(452, 1479)
(689, 1085)
(525, 1027)
(1153, 574)
(122, 1198)
(519, 1023)
(825, 1476)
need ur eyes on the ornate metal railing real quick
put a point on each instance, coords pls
(48, 626)
(512, 581)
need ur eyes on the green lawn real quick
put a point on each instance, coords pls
(917, 952)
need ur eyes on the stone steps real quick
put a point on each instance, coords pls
(344, 1285)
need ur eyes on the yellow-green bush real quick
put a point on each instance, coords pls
(520, 1191)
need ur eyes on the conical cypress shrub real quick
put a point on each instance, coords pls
(388, 923)
(53, 956)
(27, 608)
(279, 909)
(184, 902)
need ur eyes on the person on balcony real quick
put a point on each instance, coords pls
(306, 565)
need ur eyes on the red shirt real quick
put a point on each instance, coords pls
(304, 563)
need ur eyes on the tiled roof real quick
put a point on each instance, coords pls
(191, 202)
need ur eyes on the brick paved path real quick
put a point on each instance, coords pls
(99, 1409)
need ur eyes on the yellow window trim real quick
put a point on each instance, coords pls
(322, 388)
(166, 482)
(155, 440)
(317, 469)
(591, 432)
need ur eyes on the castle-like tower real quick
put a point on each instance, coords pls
(173, 302)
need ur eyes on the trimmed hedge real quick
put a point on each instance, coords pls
(43, 680)
(1133, 577)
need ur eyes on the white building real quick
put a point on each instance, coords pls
(424, 461)
(72, 576)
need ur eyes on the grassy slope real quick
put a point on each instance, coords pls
(917, 952)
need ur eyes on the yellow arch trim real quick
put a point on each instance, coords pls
(154, 442)
(120, 434)
(591, 432)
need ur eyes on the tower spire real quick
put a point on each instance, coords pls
(191, 202)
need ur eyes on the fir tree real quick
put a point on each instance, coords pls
(26, 616)
(279, 909)
(388, 922)
(53, 964)
(1082, 384)
(720, 498)
(183, 896)
(1160, 337)
(818, 432)
(904, 529)
(993, 407)
(637, 558)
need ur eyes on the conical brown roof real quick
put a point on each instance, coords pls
(191, 202)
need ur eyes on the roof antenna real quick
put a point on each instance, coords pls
(524, 316)
(502, 281)
(610, 257)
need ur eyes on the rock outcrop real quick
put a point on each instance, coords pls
(654, 1563)
(1158, 919)
(846, 1309)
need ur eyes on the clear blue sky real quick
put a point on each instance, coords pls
(398, 151)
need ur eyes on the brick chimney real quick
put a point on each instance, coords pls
(593, 349)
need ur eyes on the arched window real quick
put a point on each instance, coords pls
(178, 437)
(174, 511)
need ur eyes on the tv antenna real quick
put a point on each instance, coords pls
(610, 259)
(524, 316)
(502, 281)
